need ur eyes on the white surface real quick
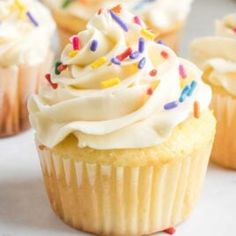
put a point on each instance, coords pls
(24, 208)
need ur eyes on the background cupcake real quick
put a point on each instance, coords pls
(116, 147)
(25, 31)
(165, 17)
(216, 55)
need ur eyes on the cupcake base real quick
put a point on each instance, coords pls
(224, 150)
(129, 192)
(17, 83)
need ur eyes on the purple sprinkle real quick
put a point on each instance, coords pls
(161, 42)
(119, 21)
(142, 63)
(115, 61)
(94, 45)
(141, 45)
(134, 55)
(32, 19)
(171, 105)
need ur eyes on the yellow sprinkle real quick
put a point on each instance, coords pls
(72, 53)
(99, 62)
(20, 7)
(148, 34)
(110, 82)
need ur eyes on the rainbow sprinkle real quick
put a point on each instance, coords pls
(193, 86)
(124, 54)
(171, 105)
(115, 61)
(147, 34)
(76, 43)
(119, 21)
(72, 53)
(137, 20)
(153, 72)
(49, 79)
(99, 62)
(182, 72)
(142, 63)
(196, 109)
(32, 19)
(134, 55)
(164, 54)
(110, 82)
(94, 45)
(141, 45)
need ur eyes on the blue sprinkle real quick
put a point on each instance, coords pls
(115, 61)
(171, 105)
(94, 45)
(142, 63)
(134, 55)
(193, 85)
(141, 45)
(119, 21)
(161, 42)
(184, 93)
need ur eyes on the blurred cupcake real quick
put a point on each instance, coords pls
(25, 55)
(216, 55)
(166, 17)
(117, 148)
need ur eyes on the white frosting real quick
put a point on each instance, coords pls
(21, 41)
(217, 56)
(122, 116)
(160, 13)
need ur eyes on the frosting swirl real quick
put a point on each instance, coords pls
(159, 13)
(26, 27)
(216, 55)
(116, 88)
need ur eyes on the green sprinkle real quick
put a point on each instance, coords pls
(66, 3)
(57, 72)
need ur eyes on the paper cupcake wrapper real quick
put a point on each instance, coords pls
(116, 200)
(17, 83)
(224, 150)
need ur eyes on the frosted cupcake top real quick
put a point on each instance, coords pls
(159, 13)
(26, 27)
(216, 55)
(116, 88)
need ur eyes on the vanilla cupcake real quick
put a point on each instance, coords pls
(165, 17)
(25, 55)
(216, 56)
(123, 130)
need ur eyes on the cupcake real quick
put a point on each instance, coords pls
(123, 130)
(216, 56)
(25, 31)
(165, 17)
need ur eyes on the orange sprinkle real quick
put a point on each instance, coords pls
(117, 9)
(164, 54)
(196, 107)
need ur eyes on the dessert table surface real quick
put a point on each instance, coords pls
(24, 208)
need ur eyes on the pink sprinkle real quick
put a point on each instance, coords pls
(182, 72)
(76, 43)
(164, 54)
(137, 20)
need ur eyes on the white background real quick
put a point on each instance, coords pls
(24, 209)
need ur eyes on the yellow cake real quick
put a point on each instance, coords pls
(25, 56)
(165, 17)
(120, 153)
(216, 55)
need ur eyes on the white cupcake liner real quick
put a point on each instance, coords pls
(224, 150)
(17, 83)
(116, 200)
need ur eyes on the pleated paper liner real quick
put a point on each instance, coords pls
(122, 200)
(224, 149)
(17, 83)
